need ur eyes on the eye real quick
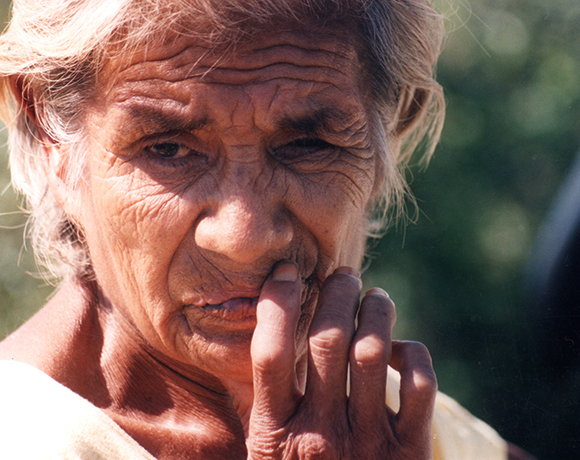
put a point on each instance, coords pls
(309, 145)
(302, 149)
(167, 150)
(173, 154)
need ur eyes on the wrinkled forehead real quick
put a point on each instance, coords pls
(283, 75)
(191, 42)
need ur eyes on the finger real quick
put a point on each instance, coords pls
(370, 354)
(330, 338)
(418, 389)
(273, 347)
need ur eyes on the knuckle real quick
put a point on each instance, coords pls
(426, 380)
(369, 354)
(271, 361)
(266, 356)
(265, 447)
(330, 341)
(424, 377)
(426, 383)
(314, 446)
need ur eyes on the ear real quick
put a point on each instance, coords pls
(410, 110)
(55, 164)
(54, 155)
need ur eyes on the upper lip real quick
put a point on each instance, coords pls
(249, 288)
(218, 298)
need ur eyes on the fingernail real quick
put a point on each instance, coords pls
(347, 271)
(285, 271)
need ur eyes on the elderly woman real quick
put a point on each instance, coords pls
(200, 176)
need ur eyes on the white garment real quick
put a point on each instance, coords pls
(41, 419)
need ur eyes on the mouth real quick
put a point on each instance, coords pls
(231, 310)
(235, 309)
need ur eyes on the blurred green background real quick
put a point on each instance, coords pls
(511, 71)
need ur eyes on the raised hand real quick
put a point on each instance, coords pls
(348, 341)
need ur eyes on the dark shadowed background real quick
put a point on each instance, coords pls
(511, 70)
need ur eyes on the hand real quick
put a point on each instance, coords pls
(323, 422)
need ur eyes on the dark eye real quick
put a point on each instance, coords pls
(173, 154)
(309, 145)
(302, 149)
(169, 150)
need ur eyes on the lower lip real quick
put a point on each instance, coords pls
(237, 309)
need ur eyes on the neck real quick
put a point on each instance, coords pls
(172, 410)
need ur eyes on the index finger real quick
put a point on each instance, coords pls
(273, 348)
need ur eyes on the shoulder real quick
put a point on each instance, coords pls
(458, 434)
(42, 419)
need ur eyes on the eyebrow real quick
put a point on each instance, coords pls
(155, 119)
(322, 120)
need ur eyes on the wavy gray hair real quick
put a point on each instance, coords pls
(53, 51)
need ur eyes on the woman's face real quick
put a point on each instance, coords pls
(205, 169)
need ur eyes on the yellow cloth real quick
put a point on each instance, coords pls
(457, 435)
(43, 420)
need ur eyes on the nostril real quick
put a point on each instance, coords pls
(244, 233)
(283, 228)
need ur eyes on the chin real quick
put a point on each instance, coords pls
(222, 354)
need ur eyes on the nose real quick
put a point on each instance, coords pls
(244, 228)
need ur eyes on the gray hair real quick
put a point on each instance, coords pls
(54, 49)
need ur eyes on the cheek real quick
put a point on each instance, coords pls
(135, 210)
(133, 228)
(332, 205)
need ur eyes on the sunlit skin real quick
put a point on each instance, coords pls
(224, 201)
(272, 162)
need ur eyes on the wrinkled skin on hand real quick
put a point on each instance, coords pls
(286, 419)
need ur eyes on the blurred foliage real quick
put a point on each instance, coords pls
(20, 293)
(511, 70)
